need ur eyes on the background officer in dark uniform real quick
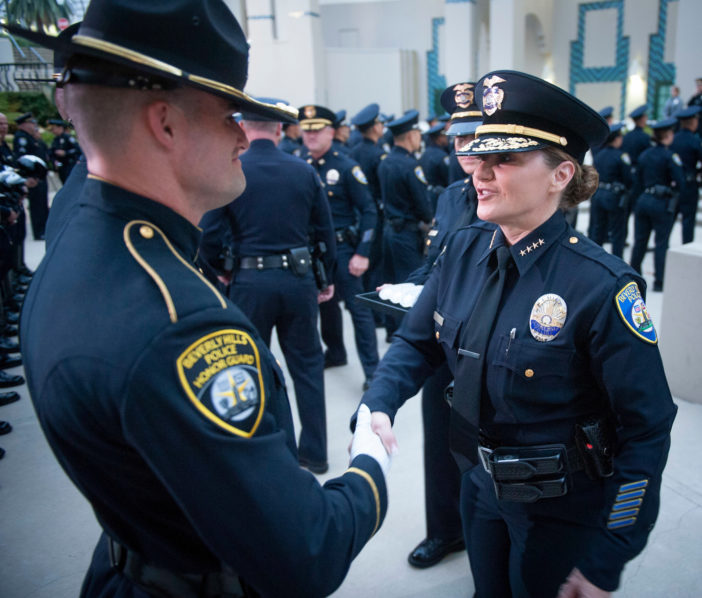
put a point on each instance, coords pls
(354, 217)
(688, 146)
(369, 156)
(696, 100)
(456, 208)
(28, 143)
(434, 162)
(550, 343)
(269, 230)
(609, 206)
(659, 181)
(64, 150)
(292, 139)
(637, 140)
(157, 395)
(341, 133)
(407, 210)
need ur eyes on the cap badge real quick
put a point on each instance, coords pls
(492, 95)
(547, 317)
(310, 112)
(463, 94)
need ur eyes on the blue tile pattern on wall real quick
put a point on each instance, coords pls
(659, 71)
(435, 80)
(616, 73)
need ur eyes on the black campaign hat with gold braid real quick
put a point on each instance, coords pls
(197, 43)
(522, 113)
(314, 118)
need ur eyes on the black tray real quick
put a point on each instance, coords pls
(375, 302)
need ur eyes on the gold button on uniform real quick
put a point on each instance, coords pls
(437, 335)
(146, 231)
(573, 240)
(529, 373)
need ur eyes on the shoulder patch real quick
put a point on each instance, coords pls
(221, 374)
(677, 159)
(358, 175)
(419, 173)
(632, 309)
(153, 251)
(626, 159)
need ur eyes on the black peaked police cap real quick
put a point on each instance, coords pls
(152, 44)
(522, 113)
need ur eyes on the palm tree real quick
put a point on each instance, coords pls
(39, 14)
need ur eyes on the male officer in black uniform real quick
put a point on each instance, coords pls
(696, 100)
(28, 143)
(659, 181)
(354, 217)
(407, 209)
(341, 133)
(369, 156)
(435, 162)
(609, 206)
(637, 140)
(64, 150)
(688, 146)
(156, 393)
(269, 230)
(291, 139)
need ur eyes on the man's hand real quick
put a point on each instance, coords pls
(326, 294)
(367, 442)
(358, 265)
(577, 586)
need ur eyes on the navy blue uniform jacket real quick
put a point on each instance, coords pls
(604, 357)
(169, 413)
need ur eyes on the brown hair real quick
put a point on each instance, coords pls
(584, 182)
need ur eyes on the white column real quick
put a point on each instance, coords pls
(506, 36)
(287, 57)
(461, 41)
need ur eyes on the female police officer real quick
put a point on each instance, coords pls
(554, 358)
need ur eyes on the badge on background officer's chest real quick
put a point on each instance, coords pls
(548, 315)
(332, 176)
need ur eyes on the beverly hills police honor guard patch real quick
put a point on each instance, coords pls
(547, 317)
(633, 311)
(221, 375)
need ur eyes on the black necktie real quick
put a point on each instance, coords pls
(465, 412)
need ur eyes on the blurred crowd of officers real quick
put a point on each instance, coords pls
(24, 167)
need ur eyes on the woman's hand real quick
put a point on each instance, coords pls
(380, 424)
(577, 586)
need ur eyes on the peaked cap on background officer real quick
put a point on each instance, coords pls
(314, 118)
(340, 119)
(689, 112)
(664, 123)
(522, 113)
(408, 121)
(367, 116)
(159, 44)
(459, 101)
(638, 112)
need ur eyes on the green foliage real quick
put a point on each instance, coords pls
(14, 103)
(39, 14)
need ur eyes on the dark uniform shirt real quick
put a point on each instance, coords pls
(601, 355)
(266, 222)
(66, 200)
(26, 145)
(455, 172)
(6, 156)
(369, 155)
(347, 191)
(689, 147)
(170, 414)
(635, 142)
(434, 162)
(613, 165)
(289, 145)
(455, 209)
(404, 188)
(659, 166)
(65, 163)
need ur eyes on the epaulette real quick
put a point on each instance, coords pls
(184, 289)
(582, 245)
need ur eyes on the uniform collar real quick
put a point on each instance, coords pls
(130, 206)
(529, 249)
(400, 150)
(261, 144)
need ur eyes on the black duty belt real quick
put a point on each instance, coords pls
(530, 473)
(341, 236)
(659, 191)
(617, 187)
(264, 262)
(161, 582)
